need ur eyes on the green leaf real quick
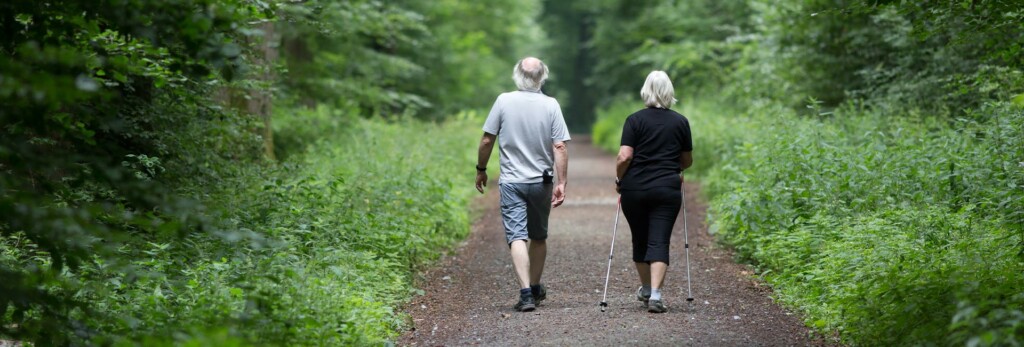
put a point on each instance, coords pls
(23, 19)
(86, 83)
(1018, 100)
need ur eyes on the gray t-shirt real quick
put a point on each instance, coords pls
(527, 125)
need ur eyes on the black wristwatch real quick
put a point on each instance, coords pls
(481, 169)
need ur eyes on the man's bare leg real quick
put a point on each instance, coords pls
(521, 262)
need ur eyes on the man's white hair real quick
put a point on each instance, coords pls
(532, 76)
(658, 90)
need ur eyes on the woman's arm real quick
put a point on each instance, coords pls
(622, 162)
(685, 160)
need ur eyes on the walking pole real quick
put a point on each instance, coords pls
(608, 273)
(686, 246)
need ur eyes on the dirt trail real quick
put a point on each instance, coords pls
(469, 296)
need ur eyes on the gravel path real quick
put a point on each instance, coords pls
(469, 296)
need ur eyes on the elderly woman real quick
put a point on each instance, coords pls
(656, 147)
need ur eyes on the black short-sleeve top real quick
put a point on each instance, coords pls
(659, 137)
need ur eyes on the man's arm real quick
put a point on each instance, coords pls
(483, 156)
(562, 172)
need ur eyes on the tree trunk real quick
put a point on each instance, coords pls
(259, 102)
(256, 100)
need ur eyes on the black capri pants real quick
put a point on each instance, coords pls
(651, 214)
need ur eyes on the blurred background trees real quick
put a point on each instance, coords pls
(427, 59)
(890, 54)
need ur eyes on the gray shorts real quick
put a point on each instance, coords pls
(525, 208)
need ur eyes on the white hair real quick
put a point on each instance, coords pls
(658, 90)
(531, 79)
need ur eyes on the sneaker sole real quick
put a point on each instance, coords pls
(527, 308)
(659, 307)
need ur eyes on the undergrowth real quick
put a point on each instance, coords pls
(353, 213)
(327, 240)
(886, 230)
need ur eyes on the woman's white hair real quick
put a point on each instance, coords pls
(658, 90)
(530, 74)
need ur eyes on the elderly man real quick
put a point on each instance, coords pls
(533, 136)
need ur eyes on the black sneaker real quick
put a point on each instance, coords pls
(540, 294)
(640, 296)
(656, 306)
(525, 304)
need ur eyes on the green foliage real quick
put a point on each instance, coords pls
(473, 46)
(891, 55)
(342, 226)
(887, 231)
(691, 40)
(102, 100)
(571, 60)
(338, 51)
(138, 208)
(865, 156)
(413, 58)
(607, 130)
(352, 221)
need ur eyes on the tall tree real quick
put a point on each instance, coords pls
(570, 25)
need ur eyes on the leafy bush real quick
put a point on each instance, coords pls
(353, 220)
(889, 209)
(886, 230)
(327, 246)
(103, 101)
(607, 131)
(137, 204)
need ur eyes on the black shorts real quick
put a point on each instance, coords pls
(651, 214)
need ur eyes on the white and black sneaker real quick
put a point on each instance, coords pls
(656, 306)
(640, 296)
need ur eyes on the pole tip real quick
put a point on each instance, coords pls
(689, 299)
